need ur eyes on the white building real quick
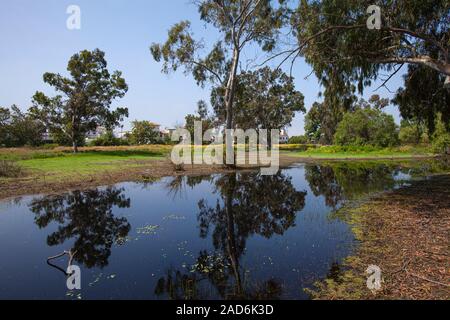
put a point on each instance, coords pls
(284, 137)
(94, 134)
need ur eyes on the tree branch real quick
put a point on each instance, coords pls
(219, 78)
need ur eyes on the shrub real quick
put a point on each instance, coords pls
(367, 127)
(108, 140)
(441, 137)
(441, 144)
(298, 140)
(10, 169)
(49, 146)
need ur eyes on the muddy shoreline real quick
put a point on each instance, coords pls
(404, 232)
(148, 170)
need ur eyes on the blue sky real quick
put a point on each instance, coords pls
(34, 40)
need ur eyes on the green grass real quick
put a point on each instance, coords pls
(336, 152)
(84, 162)
(60, 165)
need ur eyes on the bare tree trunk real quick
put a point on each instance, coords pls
(229, 100)
(75, 146)
(74, 136)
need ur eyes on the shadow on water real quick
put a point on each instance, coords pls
(87, 220)
(250, 204)
(340, 181)
(238, 220)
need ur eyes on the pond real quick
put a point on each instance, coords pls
(229, 236)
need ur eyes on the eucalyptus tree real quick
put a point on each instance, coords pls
(18, 128)
(83, 101)
(265, 99)
(240, 24)
(423, 97)
(334, 36)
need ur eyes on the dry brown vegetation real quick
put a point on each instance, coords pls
(407, 234)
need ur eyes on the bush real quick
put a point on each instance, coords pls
(367, 127)
(441, 144)
(10, 169)
(298, 140)
(108, 140)
(49, 146)
(441, 137)
(408, 135)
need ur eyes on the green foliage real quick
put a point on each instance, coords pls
(240, 25)
(323, 118)
(298, 140)
(83, 101)
(144, 132)
(367, 126)
(203, 116)
(412, 133)
(441, 137)
(321, 122)
(265, 99)
(334, 38)
(346, 56)
(108, 139)
(19, 129)
(62, 139)
(424, 96)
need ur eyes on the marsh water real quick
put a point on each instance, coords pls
(229, 236)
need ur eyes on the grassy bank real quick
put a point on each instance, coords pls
(60, 163)
(405, 233)
(337, 152)
(52, 169)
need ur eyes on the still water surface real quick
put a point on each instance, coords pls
(214, 237)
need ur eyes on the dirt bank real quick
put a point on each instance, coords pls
(407, 234)
(146, 170)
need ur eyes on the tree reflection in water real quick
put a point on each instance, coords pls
(85, 217)
(250, 204)
(343, 181)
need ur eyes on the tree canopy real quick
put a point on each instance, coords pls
(367, 126)
(18, 128)
(423, 97)
(265, 99)
(240, 24)
(334, 38)
(144, 132)
(84, 99)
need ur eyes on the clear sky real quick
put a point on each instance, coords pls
(34, 40)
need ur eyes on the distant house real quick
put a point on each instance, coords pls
(122, 134)
(47, 137)
(166, 133)
(284, 137)
(94, 134)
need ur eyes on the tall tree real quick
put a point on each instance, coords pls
(333, 36)
(241, 24)
(18, 128)
(202, 115)
(84, 99)
(144, 132)
(321, 123)
(423, 97)
(265, 99)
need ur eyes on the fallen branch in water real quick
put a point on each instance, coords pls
(71, 256)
